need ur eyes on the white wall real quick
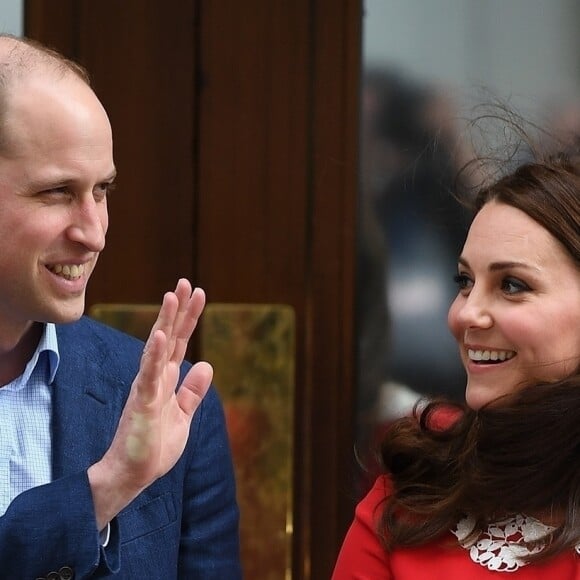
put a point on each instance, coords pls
(524, 48)
(11, 17)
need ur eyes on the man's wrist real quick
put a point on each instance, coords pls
(109, 495)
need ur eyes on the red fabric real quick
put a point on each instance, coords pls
(363, 558)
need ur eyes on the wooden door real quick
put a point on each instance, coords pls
(235, 127)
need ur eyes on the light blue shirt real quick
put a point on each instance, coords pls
(25, 420)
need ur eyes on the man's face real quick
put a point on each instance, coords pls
(56, 166)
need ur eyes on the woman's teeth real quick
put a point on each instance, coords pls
(490, 355)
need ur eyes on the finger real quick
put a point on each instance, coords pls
(183, 294)
(183, 289)
(194, 387)
(151, 367)
(167, 314)
(187, 324)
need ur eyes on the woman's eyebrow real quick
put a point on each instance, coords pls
(498, 266)
(508, 265)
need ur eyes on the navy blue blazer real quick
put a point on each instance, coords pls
(185, 525)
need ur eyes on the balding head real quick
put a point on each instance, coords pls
(22, 57)
(23, 61)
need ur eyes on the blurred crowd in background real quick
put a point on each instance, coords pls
(418, 168)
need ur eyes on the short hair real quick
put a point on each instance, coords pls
(20, 57)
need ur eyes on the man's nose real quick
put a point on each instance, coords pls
(89, 224)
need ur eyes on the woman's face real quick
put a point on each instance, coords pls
(516, 318)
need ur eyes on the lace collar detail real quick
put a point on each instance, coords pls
(502, 546)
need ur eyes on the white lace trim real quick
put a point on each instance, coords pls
(502, 547)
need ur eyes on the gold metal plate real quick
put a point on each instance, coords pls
(251, 347)
(252, 350)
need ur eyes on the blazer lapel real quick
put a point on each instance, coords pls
(85, 405)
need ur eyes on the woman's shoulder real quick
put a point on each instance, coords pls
(362, 554)
(370, 506)
(382, 487)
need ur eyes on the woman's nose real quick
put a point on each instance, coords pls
(475, 312)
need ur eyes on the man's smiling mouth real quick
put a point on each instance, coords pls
(68, 271)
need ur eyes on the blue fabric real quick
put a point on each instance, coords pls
(185, 525)
(25, 412)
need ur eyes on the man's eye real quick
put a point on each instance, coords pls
(513, 286)
(55, 195)
(103, 190)
(56, 191)
(463, 281)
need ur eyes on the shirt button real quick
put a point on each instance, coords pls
(53, 576)
(66, 573)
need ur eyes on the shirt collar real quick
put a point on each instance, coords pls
(49, 344)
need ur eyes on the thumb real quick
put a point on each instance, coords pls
(194, 387)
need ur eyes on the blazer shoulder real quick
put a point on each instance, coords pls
(87, 339)
(88, 329)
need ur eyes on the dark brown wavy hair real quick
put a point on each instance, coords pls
(519, 456)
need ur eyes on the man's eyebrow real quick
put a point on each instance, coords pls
(498, 266)
(64, 179)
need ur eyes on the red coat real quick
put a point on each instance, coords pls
(363, 558)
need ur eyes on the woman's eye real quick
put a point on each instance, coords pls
(463, 281)
(513, 286)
